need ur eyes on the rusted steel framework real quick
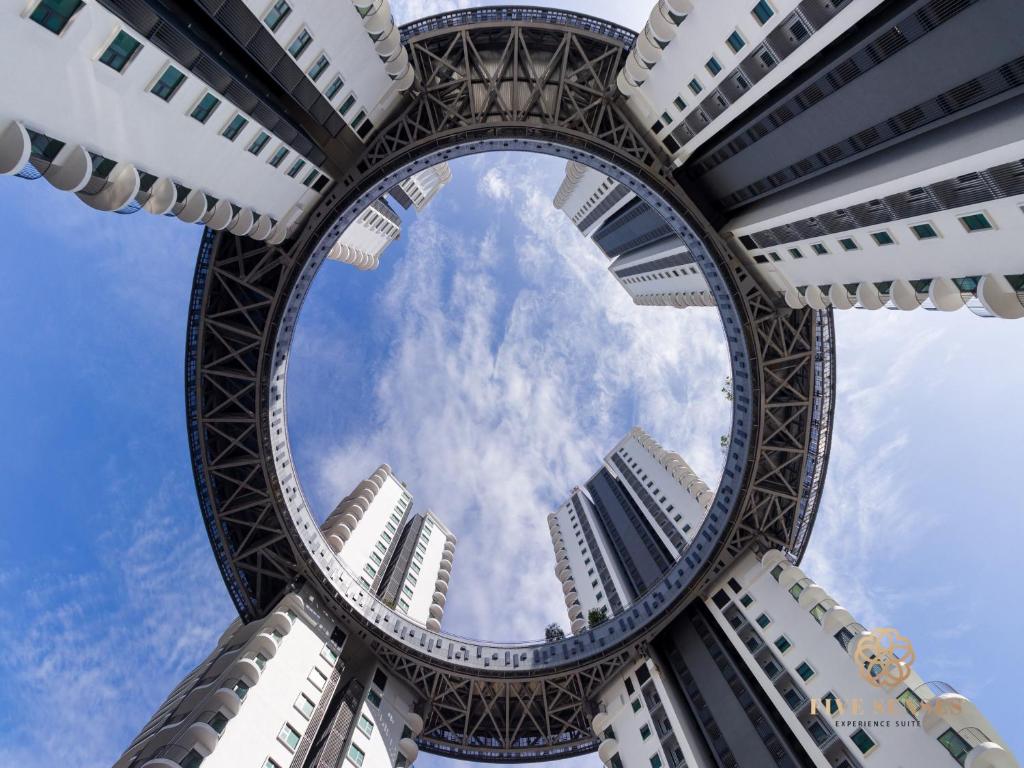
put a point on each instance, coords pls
(515, 79)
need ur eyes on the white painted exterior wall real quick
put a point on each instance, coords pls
(652, 90)
(421, 187)
(581, 190)
(681, 495)
(955, 253)
(365, 239)
(680, 286)
(425, 592)
(836, 671)
(383, 745)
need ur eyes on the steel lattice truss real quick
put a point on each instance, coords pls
(494, 81)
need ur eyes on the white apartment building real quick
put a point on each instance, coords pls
(762, 669)
(421, 187)
(404, 559)
(844, 188)
(644, 504)
(648, 261)
(287, 688)
(110, 115)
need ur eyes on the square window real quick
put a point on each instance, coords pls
(862, 741)
(168, 83)
(305, 705)
(762, 12)
(793, 698)
(120, 51)
(695, 86)
(289, 736)
(713, 66)
(336, 85)
(645, 731)
(783, 644)
(976, 222)
(365, 725)
(317, 678)
(329, 654)
(679, 103)
(882, 238)
(205, 107)
(655, 760)
(735, 41)
(924, 231)
(910, 701)
(374, 698)
(234, 127)
(805, 670)
(746, 600)
(636, 705)
(380, 679)
(795, 253)
(55, 14)
(356, 755)
(819, 248)
(735, 586)
(763, 620)
(849, 244)
(318, 68)
(277, 14)
(300, 43)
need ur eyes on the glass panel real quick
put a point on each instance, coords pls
(955, 744)
(205, 107)
(235, 127)
(300, 44)
(356, 755)
(277, 15)
(168, 83)
(862, 741)
(762, 12)
(55, 14)
(120, 51)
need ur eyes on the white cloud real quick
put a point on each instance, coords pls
(494, 185)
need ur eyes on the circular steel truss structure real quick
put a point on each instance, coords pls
(491, 79)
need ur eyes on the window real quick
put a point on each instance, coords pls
(336, 85)
(976, 222)
(819, 248)
(735, 586)
(406, 590)
(882, 238)
(955, 744)
(635, 704)
(359, 118)
(735, 41)
(695, 86)
(259, 143)
(318, 68)
(746, 600)
(289, 736)
(763, 620)
(305, 705)
(805, 670)
(713, 66)
(910, 701)
(120, 51)
(629, 686)
(55, 14)
(795, 253)
(241, 688)
(192, 760)
(849, 244)
(234, 127)
(783, 644)
(645, 731)
(819, 611)
(374, 698)
(380, 679)
(762, 12)
(679, 103)
(317, 678)
(268, 763)
(368, 567)
(260, 661)
(277, 14)
(365, 725)
(168, 83)
(924, 231)
(862, 741)
(355, 754)
(292, 173)
(793, 698)
(655, 760)
(328, 654)
(300, 43)
(796, 590)
(831, 705)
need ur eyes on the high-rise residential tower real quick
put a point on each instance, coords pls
(763, 669)
(293, 689)
(852, 162)
(647, 258)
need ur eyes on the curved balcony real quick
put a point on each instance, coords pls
(793, 299)
(446, 563)
(811, 596)
(220, 216)
(262, 227)
(607, 750)
(568, 586)
(600, 722)
(444, 575)
(790, 575)
(1000, 298)
(433, 624)
(242, 223)
(415, 723)
(71, 168)
(336, 543)
(575, 612)
(870, 297)
(840, 298)
(227, 701)
(563, 574)
(441, 586)
(201, 733)
(904, 296)
(815, 298)
(278, 620)
(278, 234)
(192, 208)
(436, 611)
(245, 670)
(945, 294)
(571, 598)
(168, 756)
(163, 194)
(263, 643)
(578, 625)
(440, 599)
(15, 148)
(409, 750)
(836, 618)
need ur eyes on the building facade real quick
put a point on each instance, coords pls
(141, 112)
(293, 689)
(647, 258)
(851, 162)
(763, 668)
(420, 188)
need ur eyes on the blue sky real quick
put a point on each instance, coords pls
(491, 361)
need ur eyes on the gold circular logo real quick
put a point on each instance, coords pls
(884, 657)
